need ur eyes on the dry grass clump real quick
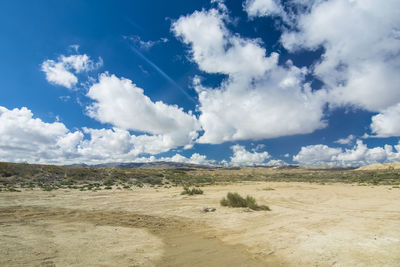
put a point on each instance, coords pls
(191, 191)
(237, 201)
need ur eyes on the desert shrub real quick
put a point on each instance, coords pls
(137, 183)
(48, 188)
(108, 182)
(12, 189)
(237, 201)
(68, 181)
(108, 187)
(193, 191)
(252, 204)
(152, 180)
(233, 200)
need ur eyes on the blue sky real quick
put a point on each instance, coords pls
(254, 82)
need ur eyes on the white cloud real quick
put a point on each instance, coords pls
(359, 155)
(361, 43)
(74, 48)
(346, 141)
(145, 45)
(118, 145)
(361, 61)
(80, 63)
(195, 158)
(216, 50)
(56, 73)
(259, 99)
(316, 155)
(260, 8)
(242, 157)
(121, 103)
(387, 123)
(276, 162)
(220, 5)
(24, 138)
(62, 72)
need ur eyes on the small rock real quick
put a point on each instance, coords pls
(209, 209)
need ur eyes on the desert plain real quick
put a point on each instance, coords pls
(309, 224)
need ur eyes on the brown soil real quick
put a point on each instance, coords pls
(309, 225)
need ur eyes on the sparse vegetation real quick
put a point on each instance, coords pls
(17, 175)
(108, 182)
(235, 200)
(191, 191)
(48, 188)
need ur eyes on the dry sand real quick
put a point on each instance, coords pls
(309, 225)
(378, 166)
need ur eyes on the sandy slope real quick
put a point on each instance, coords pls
(386, 166)
(309, 225)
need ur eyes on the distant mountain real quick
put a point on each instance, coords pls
(78, 165)
(151, 165)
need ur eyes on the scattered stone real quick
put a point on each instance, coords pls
(209, 209)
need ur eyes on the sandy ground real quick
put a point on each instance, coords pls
(308, 225)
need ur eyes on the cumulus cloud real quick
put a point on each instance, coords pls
(359, 155)
(360, 40)
(361, 43)
(346, 141)
(24, 138)
(261, 8)
(242, 157)
(387, 123)
(195, 158)
(259, 98)
(124, 105)
(118, 145)
(316, 155)
(62, 71)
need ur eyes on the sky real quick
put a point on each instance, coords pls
(227, 83)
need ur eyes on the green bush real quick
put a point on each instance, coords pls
(139, 185)
(108, 182)
(48, 188)
(12, 189)
(152, 180)
(193, 191)
(237, 201)
(234, 200)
